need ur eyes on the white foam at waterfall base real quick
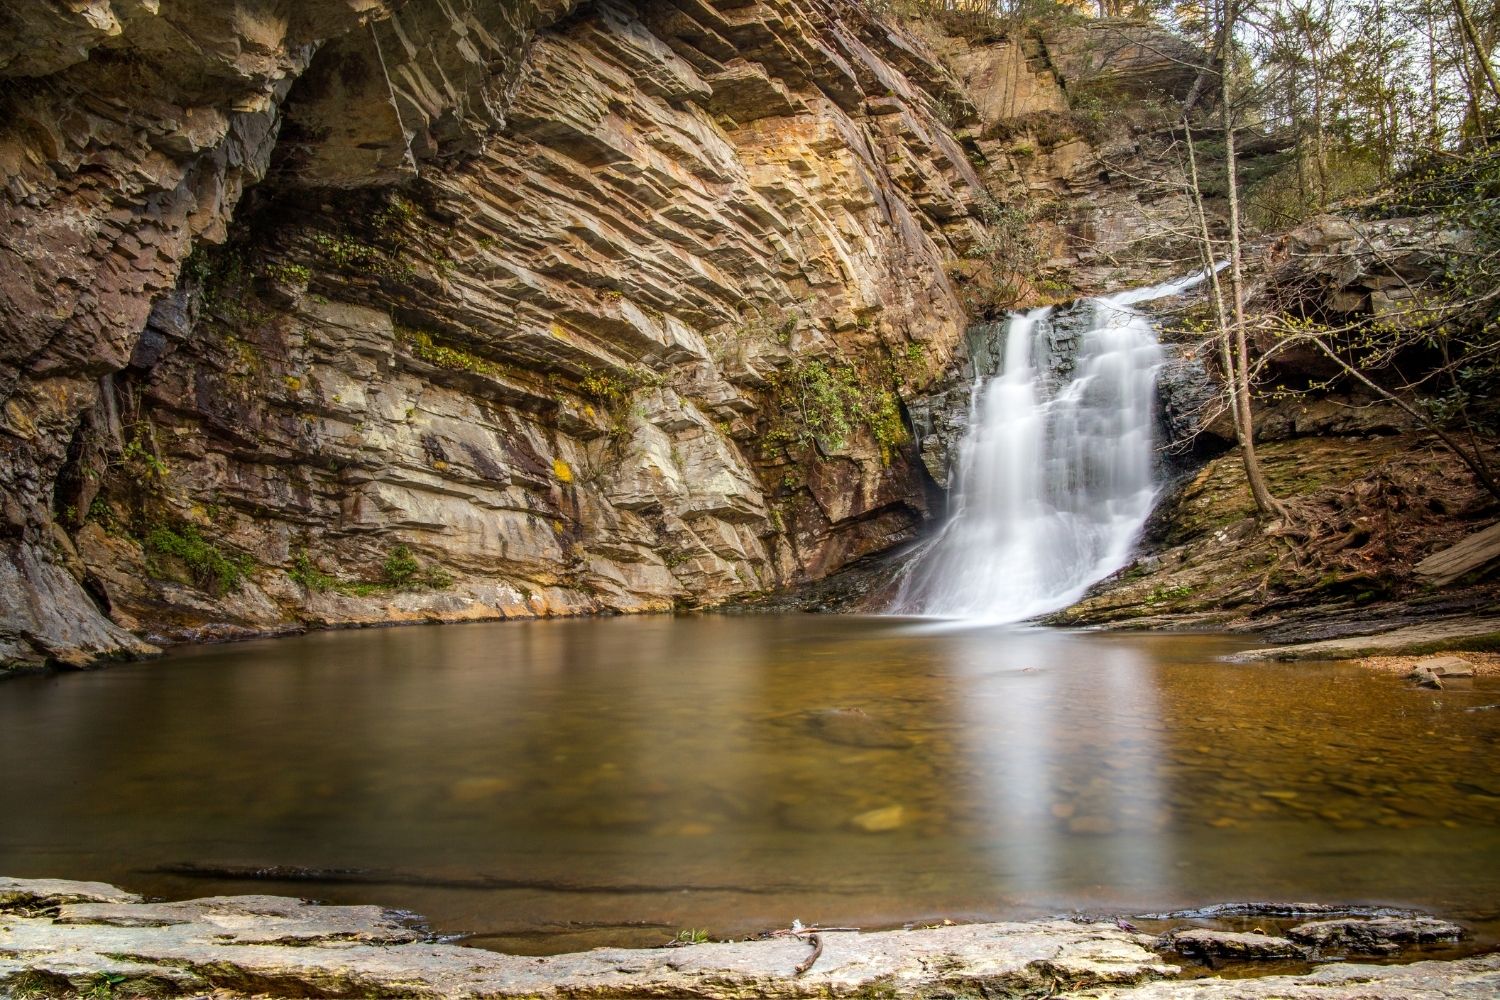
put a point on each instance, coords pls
(1054, 481)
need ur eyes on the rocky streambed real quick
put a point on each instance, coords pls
(89, 938)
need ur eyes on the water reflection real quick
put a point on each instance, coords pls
(561, 784)
(1059, 758)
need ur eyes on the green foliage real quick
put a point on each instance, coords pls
(615, 386)
(141, 463)
(401, 570)
(99, 512)
(692, 935)
(287, 273)
(824, 402)
(208, 566)
(102, 985)
(350, 254)
(1165, 593)
(304, 572)
(398, 213)
(1002, 262)
(422, 345)
(378, 247)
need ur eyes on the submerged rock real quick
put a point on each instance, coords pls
(880, 820)
(851, 727)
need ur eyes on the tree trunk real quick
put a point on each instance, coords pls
(1267, 504)
(1481, 54)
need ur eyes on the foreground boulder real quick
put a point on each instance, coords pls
(288, 947)
(1473, 979)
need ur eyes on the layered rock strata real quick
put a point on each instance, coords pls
(534, 312)
(129, 132)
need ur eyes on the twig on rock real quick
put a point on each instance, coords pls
(816, 940)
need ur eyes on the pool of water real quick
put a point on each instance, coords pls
(553, 785)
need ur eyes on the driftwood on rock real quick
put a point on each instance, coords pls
(1475, 552)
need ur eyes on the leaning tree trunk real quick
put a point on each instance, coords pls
(1265, 503)
(1481, 54)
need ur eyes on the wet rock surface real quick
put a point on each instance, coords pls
(1202, 943)
(289, 947)
(1376, 936)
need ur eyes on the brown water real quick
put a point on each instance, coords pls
(556, 785)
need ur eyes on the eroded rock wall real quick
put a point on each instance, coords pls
(533, 310)
(544, 369)
(128, 130)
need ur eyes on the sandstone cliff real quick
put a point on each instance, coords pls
(395, 311)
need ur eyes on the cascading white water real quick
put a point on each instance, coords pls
(1055, 474)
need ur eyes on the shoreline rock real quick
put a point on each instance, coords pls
(66, 937)
(1464, 635)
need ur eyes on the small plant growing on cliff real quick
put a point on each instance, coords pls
(208, 566)
(400, 568)
(692, 935)
(422, 345)
(307, 574)
(614, 386)
(402, 571)
(140, 460)
(284, 273)
(397, 213)
(350, 253)
(830, 399)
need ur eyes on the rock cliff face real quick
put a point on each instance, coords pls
(530, 310)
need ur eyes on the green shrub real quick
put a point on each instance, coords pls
(400, 568)
(209, 567)
(824, 402)
(308, 575)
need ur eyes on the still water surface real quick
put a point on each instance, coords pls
(546, 786)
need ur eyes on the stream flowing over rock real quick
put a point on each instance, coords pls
(1055, 472)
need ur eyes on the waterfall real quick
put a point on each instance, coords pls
(1055, 475)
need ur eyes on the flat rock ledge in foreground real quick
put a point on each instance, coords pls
(60, 936)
